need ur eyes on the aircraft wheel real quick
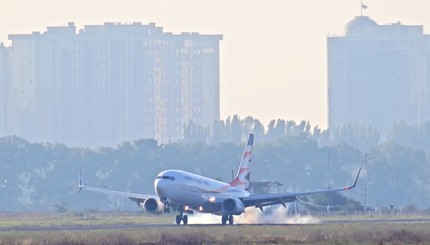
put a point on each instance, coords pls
(185, 219)
(224, 219)
(231, 219)
(178, 219)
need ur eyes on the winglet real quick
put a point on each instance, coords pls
(355, 181)
(81, 181)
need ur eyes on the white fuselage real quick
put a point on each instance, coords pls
(194, 191)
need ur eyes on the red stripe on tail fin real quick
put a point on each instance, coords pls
(243, 174)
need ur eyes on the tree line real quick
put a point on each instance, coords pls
(44, 176)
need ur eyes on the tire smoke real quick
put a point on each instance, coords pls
(278, 215)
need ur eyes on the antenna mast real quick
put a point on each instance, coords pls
(362, 7)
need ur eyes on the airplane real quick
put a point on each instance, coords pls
(187, 192)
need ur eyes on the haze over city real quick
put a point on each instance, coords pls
(272, 57)
(130, 95)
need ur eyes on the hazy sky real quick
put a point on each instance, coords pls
(273, 56)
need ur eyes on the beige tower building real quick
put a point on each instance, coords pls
(378, 75)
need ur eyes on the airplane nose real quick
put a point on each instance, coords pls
(161, 187)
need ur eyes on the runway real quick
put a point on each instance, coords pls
(149, 226)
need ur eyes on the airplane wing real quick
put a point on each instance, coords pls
(139, 198)
(260, 201)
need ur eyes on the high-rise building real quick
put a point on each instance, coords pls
(3, 73)
(378, 75)
(109, 83)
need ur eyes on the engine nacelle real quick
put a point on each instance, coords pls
(232, 206)
(153, 205)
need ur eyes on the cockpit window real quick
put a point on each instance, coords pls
(166, 177)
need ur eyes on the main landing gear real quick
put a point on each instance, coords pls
(228, 218)
(181, 217)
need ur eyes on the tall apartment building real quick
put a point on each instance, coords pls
(109, 83)
(378, 75)
(3, 62)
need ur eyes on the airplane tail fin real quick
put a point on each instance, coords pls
(243, 174)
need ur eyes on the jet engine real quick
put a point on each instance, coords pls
(153, 205)
(232, 206)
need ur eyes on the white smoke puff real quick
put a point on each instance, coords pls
(277, 216)
(255, 216)
(204, 218)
